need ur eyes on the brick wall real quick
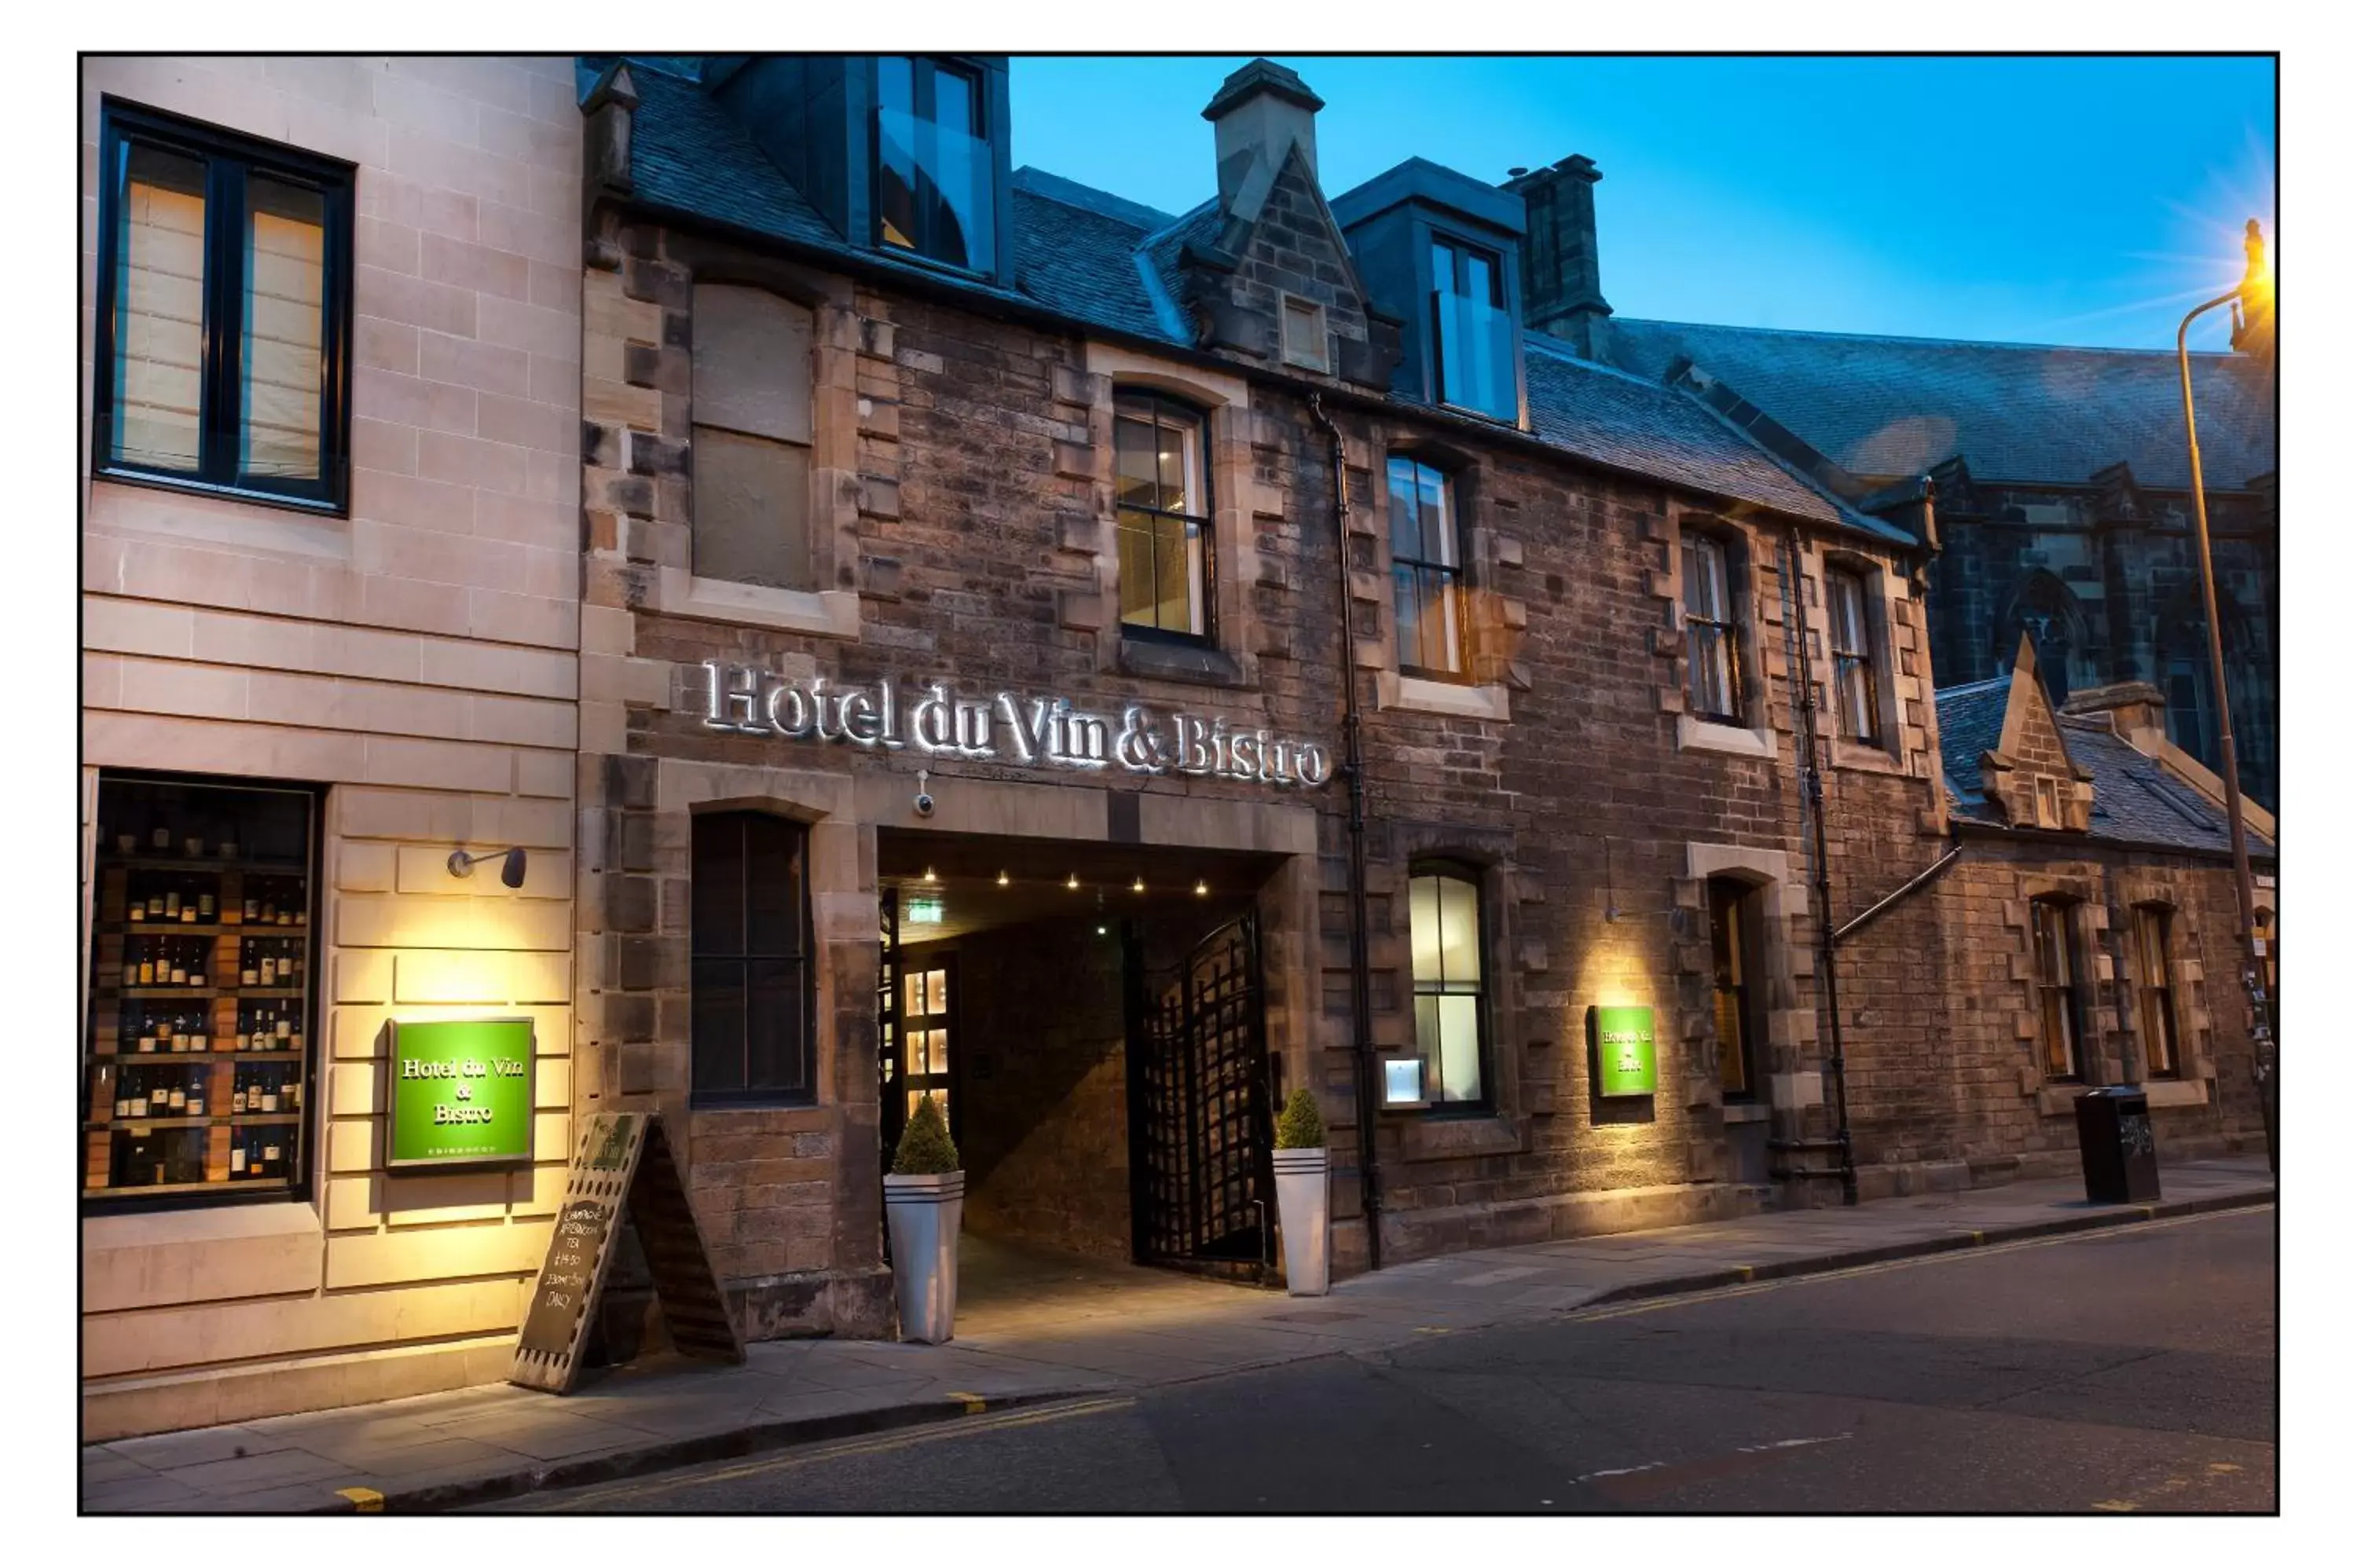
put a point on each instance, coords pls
(418, 658)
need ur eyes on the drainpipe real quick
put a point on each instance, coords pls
(1354, 778)
(1812, 791)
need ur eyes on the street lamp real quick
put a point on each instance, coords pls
(2255, 302)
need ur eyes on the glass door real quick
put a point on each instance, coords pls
(927, 983)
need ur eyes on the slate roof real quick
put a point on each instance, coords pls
(1892, 407)
(1100, 261)
(2138, 800)
(1971, 720)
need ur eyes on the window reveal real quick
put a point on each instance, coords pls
(1163, 517)
(1428, 574)
(1714, 662)
(1445, 955)
(750, 401)
(1731, 992)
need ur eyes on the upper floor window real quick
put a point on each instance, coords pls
(1713, 649)
(1854, 691)
(2157, 997)
(1445, 951)
(224, 304)
(1164, 516)
(749, 404)
(933, 167)
(1472, 335)
(2056, 956)
(1427, 571)
(749, 940)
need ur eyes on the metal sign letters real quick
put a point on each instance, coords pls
(1043, 731)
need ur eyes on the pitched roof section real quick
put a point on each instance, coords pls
(1642, 428)
(1892, 407)
(1103, 262)
(1972, 719)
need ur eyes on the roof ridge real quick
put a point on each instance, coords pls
(1178, 222)
(2198, 354)
(1971, 686)
(1146, 219)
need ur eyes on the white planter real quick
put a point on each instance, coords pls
(1302, 1207)
(923, 1212)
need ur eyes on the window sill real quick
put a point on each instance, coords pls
(309, 506)
(2162, 1092)
(828, 614)
(1702, 734)
(1196, 662)
(1439, 1135)
(1741, 1111)
(1412, 693)
(1866, 756)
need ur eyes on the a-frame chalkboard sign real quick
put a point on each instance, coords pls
(623, 1166)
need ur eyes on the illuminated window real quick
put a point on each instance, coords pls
(1445, 932)
(749, 959)
(1427, 571)
(1714, 651)
(1164, 518)
(225, 272)
(2057, 958)
(2157, 999)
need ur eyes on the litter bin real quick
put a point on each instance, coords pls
(2115, 1147)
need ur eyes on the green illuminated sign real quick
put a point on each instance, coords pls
(1624, 1050)
(461, 1092)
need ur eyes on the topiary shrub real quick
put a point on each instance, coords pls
(925, 1146)
(1301, 1127)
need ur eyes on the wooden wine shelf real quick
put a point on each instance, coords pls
(141, 1058)
(200, 863)
(138, 1126)
(203, 992)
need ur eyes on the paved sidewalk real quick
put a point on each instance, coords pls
(447, 1450)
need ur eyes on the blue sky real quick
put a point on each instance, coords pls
(2030, 201)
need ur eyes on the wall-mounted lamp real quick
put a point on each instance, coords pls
(510, 864)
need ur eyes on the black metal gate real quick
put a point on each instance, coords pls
(1200, 1186)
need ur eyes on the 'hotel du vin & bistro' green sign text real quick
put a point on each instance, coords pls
(461, 1092)
(1624, 1051)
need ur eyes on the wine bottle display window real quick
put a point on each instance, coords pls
(197, 1071)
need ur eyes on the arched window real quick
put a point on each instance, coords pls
(2156, 997)
(1428, 570)
(749, 942)
(1713, 636)
(2056, 954)
(1446, 953)
(749, 404)
(1162, 492)
(2044, 607)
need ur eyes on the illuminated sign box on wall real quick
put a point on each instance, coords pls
(461, 1093)
(1621, 1041)
(1403, 1079)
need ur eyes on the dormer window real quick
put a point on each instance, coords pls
(933, 170)
(1472, 333)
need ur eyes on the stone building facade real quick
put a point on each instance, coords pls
(396, 645)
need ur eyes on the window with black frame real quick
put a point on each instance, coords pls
(203, 962)
(1853, 644)
(2056, 956)
(224, 309)
(933, 166)
(2157, 996)
(1714, 649)
(1446, 962)
(1427, 571)
(749, 959)
(1472, 335)
(1162, 517)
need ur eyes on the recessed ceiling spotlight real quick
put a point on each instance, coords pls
(1137, 884)
(1202, 887)
(928, 874)
(1002, 879)
(1072, 880)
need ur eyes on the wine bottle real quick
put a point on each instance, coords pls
(162, 841)
(247, 973)
(180, 973)
(196, 1097)
(284, 1026)
(176, 1100)
(271, 1151)
(269, 970)
(270, 1096)
(147, 970)
(237, 1157)
(205, 908)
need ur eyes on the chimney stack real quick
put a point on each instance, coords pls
(1563, 293)
(1258, 115)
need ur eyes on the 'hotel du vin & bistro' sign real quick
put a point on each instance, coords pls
(1035, 732)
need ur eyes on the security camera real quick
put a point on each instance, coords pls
(924, 802)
